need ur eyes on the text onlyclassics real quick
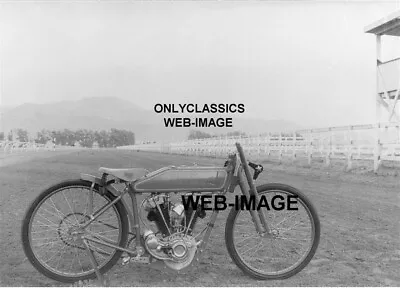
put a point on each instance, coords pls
(189, 108)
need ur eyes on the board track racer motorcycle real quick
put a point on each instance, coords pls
(79, 229)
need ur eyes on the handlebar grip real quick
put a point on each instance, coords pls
(257, 169)
(252, 165)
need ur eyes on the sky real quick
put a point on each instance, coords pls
(303, 61)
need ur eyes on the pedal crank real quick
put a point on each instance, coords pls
(138, 257)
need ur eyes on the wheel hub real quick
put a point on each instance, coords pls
(275, 232)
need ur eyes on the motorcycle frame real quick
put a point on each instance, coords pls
(235, 168)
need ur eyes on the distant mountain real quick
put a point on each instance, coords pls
(100, 113)
(5, 108)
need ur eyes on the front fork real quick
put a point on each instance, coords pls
(259, 220)
(258, 216)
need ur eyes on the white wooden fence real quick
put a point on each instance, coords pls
(375, 142)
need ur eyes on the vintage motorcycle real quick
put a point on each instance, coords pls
(79, 229)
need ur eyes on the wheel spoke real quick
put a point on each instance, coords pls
(72, 211)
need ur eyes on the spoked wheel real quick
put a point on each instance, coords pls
(51, 236)
(291, 245)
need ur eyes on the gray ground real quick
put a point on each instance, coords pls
(359, 213)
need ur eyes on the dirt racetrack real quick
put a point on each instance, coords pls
(359, 214)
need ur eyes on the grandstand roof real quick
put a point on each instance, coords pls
(389, 25)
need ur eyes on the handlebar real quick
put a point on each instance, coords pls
(257, 167)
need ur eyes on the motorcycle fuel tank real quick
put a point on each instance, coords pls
(183, 178)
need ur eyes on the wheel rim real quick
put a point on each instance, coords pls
(264, 254)
(55, 239)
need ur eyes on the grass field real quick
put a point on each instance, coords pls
(359, 214)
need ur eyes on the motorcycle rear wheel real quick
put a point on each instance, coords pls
(54, 217)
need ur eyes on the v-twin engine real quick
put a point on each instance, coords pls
(174, 242)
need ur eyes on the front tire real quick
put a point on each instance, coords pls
(53, 219)
(234, 223)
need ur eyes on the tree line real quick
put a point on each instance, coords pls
(82, 137)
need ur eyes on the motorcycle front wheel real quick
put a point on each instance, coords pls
(293, 240)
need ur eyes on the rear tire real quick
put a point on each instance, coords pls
(233, 250)
(36, 205)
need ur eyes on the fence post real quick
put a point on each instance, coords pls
(280, 146)
(310, 150)
(219, 140)
(329, 151)
(294, 146)
(286, 144)
(223, 142)
(226, 144)
(378, 149)
(307, 139)
(350, 149)
(268, 141)
(215, 146)
(358, 146)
